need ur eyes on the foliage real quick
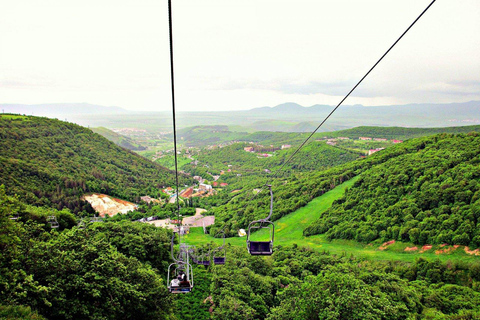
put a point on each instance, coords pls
(53, 163)
(104, 271)
(18, 313)
(430, 194)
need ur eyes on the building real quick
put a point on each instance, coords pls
(205, 188)
(187, 193)
(249, 149)
(372, 151)
(364, 138)
(286, 146)
(397, 141)
(379, 139)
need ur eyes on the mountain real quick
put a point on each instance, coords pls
(60, 110)
(409, 115)
(48, 162)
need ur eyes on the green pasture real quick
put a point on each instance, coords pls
(289, 231)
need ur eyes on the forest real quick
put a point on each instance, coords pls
(48, 162)
(430, 195)
(425, 190)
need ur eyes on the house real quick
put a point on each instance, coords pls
(205, 188)
(379, 139)
(372, 151)
(215, 183)
(149, 199)
(187, 193)
(249, 149)
(286, 146)
(364, 138)
(397, 141)
(223, 184)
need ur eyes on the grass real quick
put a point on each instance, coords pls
(289, 231)
(14, 116)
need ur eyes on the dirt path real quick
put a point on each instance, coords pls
(199, 211)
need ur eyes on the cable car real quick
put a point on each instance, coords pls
(96, 219)
(81, 224)
(205, 257)
(52, 220)
(220, 254)
(182, 277)
(262, 248)
(180, 271)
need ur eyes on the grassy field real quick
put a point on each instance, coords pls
(289, 231)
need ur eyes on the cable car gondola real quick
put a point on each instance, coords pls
(180, 271)
(52, 220)
(262, 248)
(201, 257)
(220, 254)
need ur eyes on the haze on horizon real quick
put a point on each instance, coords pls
(234, 55)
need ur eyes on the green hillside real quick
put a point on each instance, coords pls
(399, 133)
(53, 163)
(429, 194)
(118, 139)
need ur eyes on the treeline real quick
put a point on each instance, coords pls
(429, 194)
(200, 136)
(399, 133)
(48, 162)
(104, 271)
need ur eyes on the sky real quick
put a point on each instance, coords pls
(237, 55)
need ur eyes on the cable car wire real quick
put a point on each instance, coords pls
(344, 98)
(172, 77)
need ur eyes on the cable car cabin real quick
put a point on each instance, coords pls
(220, 254)
(202, 259)
(219, 260)
(52, 220)
(182, 278)
(262, 248)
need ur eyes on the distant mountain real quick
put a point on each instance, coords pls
(409, 114)
(60, 110)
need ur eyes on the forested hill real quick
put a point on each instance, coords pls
(387, 177)
(53, 163)
(430, 194)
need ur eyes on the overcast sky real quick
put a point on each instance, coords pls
(232, 55)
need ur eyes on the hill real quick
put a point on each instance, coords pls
(426, 191)
(53, 163)
(295, 191)
(118, 139)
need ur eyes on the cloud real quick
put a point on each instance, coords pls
(285, 86)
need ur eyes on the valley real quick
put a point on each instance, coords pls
(389, 213)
